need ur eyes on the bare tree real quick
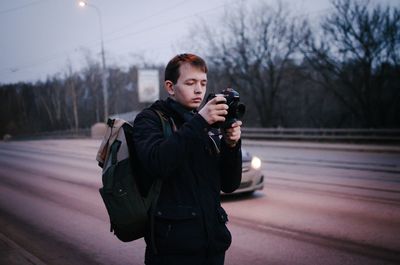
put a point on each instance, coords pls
(48, 95)
(72, 95)
(117, 84)
(57, 98)
(17, 109)
(92, 82)
(355, 56)
(254, 46)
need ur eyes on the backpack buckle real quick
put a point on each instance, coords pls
(110, 122)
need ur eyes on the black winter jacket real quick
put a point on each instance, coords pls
(194, 167)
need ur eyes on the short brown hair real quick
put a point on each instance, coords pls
(172, 70)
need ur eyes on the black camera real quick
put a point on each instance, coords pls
(236, 108)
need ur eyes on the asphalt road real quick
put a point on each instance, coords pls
(320, 205)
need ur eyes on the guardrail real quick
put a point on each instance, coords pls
(384, 136)
(333, 135)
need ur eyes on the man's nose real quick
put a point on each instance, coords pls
(197, 89)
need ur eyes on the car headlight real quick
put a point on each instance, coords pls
(255, 162)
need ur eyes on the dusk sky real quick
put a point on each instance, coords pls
(41, 38)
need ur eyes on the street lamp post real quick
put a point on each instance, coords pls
(103, 59)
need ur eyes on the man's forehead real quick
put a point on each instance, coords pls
(188, 71)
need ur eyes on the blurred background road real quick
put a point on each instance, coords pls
(320, 205)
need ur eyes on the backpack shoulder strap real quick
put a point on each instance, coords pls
(168, 127)
(168, 124)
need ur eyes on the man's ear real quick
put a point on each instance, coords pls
(169, 86)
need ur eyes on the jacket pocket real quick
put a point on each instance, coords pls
(222, 215)
(223, 237)
(179, 229)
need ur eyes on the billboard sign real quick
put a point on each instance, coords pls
(148, 85)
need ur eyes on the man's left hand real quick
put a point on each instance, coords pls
(232, 135)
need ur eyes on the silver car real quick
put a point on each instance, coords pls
(252, 177)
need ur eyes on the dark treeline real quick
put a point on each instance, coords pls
(342, 73)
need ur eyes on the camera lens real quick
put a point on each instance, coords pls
(240, 110)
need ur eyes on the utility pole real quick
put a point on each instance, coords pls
(103, 59)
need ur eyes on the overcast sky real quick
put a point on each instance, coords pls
(39, 38)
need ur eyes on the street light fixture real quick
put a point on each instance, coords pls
(103, 60)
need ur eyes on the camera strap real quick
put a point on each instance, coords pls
(214, 140)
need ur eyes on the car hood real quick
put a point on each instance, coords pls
(246, 156)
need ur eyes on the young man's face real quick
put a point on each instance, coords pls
(190, 87)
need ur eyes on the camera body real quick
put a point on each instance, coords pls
(236, 109)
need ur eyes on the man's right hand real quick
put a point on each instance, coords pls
(214, 111)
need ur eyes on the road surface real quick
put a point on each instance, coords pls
(319, 206)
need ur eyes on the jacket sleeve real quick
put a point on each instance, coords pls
(158, 155)
(230, 167)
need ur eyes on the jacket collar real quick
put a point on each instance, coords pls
(182, 112)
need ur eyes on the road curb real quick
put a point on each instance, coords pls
(13, 254)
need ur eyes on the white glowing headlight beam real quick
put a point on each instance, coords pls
(256, 162)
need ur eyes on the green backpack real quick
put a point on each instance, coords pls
(127, 208)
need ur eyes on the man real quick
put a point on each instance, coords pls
(194, 163)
